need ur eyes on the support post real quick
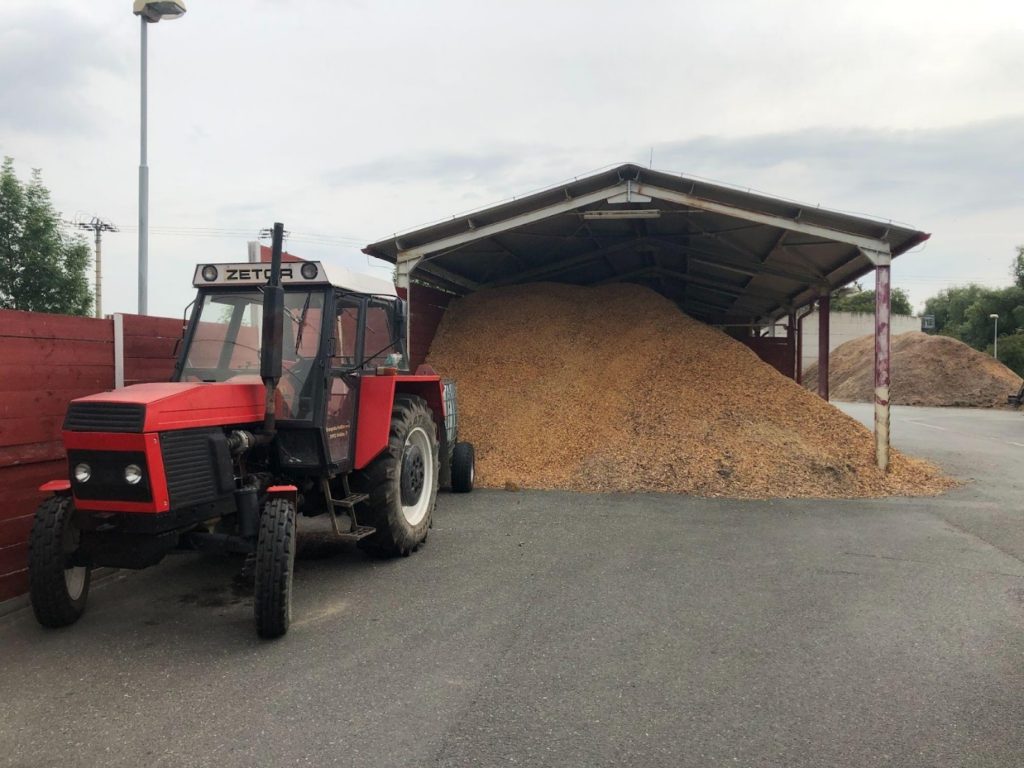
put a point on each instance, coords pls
(824, 311)
(800, 349)
(800, 317)
(791, 338)
(403, 281)
(882, 362)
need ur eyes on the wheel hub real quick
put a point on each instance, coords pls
(414, 473)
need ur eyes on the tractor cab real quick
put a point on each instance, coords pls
(338, 327)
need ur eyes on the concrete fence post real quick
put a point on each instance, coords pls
(118, 350)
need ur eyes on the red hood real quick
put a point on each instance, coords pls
(187, 405)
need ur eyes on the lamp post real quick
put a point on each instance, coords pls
(995, 336)
(149, 13)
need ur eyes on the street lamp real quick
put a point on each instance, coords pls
(149, 13)
(995, 336)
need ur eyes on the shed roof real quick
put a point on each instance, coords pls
(722, 254)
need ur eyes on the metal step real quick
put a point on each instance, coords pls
(350, 501)
(360, 532)
(354, 531)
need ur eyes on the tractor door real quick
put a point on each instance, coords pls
(346, 350)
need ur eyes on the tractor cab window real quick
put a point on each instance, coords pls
(346, 333)
(379, 342)
(226, 337)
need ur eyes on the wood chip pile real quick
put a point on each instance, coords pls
(612, 388)
(926, 370)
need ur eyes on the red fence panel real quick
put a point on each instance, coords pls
(45, 362)
(149, 345)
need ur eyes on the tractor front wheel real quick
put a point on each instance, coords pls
(59, 588)
(402, 481)
(275, 564)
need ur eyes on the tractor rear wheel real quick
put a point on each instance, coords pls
(59, 589)
(463, 467)
(402, 481)
(275, 564)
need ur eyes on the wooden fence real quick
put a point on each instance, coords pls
(45, 362)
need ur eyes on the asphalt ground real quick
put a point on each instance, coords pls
(560, 629)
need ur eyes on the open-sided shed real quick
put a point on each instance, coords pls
(726, 256)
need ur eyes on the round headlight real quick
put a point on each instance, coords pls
(309, 270)
(82, 473)
(209, 273)
(133, 474)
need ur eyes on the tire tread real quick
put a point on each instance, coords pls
(52, 605)
(275, 562)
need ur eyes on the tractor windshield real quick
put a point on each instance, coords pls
(225, 342)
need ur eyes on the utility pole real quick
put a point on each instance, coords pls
(98, 226)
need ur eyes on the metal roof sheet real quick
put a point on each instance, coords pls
(722, 254)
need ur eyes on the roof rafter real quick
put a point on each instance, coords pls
(417, 252)
(868, 243)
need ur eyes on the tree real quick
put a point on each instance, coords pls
(950, 307)
(41, 269)
(1011, 351)
(1017, 268)
(857, 300)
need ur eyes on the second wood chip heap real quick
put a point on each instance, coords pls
(612, 388)
(926, 370)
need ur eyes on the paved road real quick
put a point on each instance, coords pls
(986, 449)
(558, 629)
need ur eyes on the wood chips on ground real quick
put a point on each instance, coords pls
(926, 370)
(612, 388)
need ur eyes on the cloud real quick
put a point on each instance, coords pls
(439, 167)
(956, 169)
(48, 59)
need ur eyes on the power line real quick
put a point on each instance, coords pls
(310, 237)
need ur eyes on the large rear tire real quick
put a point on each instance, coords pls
(402, 482)
(59, 589)
(275, 565)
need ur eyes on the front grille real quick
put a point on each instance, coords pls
(191, 467)
(107, 482)
(105, 417)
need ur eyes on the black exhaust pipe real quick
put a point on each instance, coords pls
(273, 331)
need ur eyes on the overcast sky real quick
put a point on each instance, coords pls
(352, 120)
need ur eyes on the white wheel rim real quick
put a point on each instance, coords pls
(414, 513)
(74, 581)
(472, 473)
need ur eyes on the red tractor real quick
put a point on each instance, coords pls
(289, 397)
